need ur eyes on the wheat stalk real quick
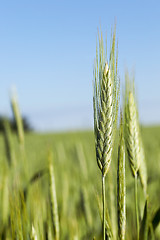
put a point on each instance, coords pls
(10, 154)
(143, 169)
(33, 234)
(16, 220)
(107, 222)
(121, 188)
(53, 198)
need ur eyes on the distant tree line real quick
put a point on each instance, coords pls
(26, 124)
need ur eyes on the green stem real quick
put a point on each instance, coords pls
(136, 206)
(103, 200)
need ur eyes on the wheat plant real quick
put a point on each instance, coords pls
(105, 103)
(133, 141)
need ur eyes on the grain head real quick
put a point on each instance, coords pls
(105, 104)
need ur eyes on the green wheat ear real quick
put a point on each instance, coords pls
(132, 138)
(105, 104)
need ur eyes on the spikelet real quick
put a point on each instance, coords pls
(105, 104)
(121, 189)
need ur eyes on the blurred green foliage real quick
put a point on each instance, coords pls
(76, 186)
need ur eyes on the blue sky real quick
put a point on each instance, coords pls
(47, 50)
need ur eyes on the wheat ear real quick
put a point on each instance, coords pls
(19, 122)
(133, 137)
(132, 134)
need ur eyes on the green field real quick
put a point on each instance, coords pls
(78, 186)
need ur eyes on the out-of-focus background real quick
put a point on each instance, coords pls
(47, 51)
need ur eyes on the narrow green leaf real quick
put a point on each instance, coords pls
(153, 225)
(144, 224)
(156, 219)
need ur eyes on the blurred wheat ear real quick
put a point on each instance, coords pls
(133, 137)
(18, 118)
(20, 134)
(105, 104)
(132, 133)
